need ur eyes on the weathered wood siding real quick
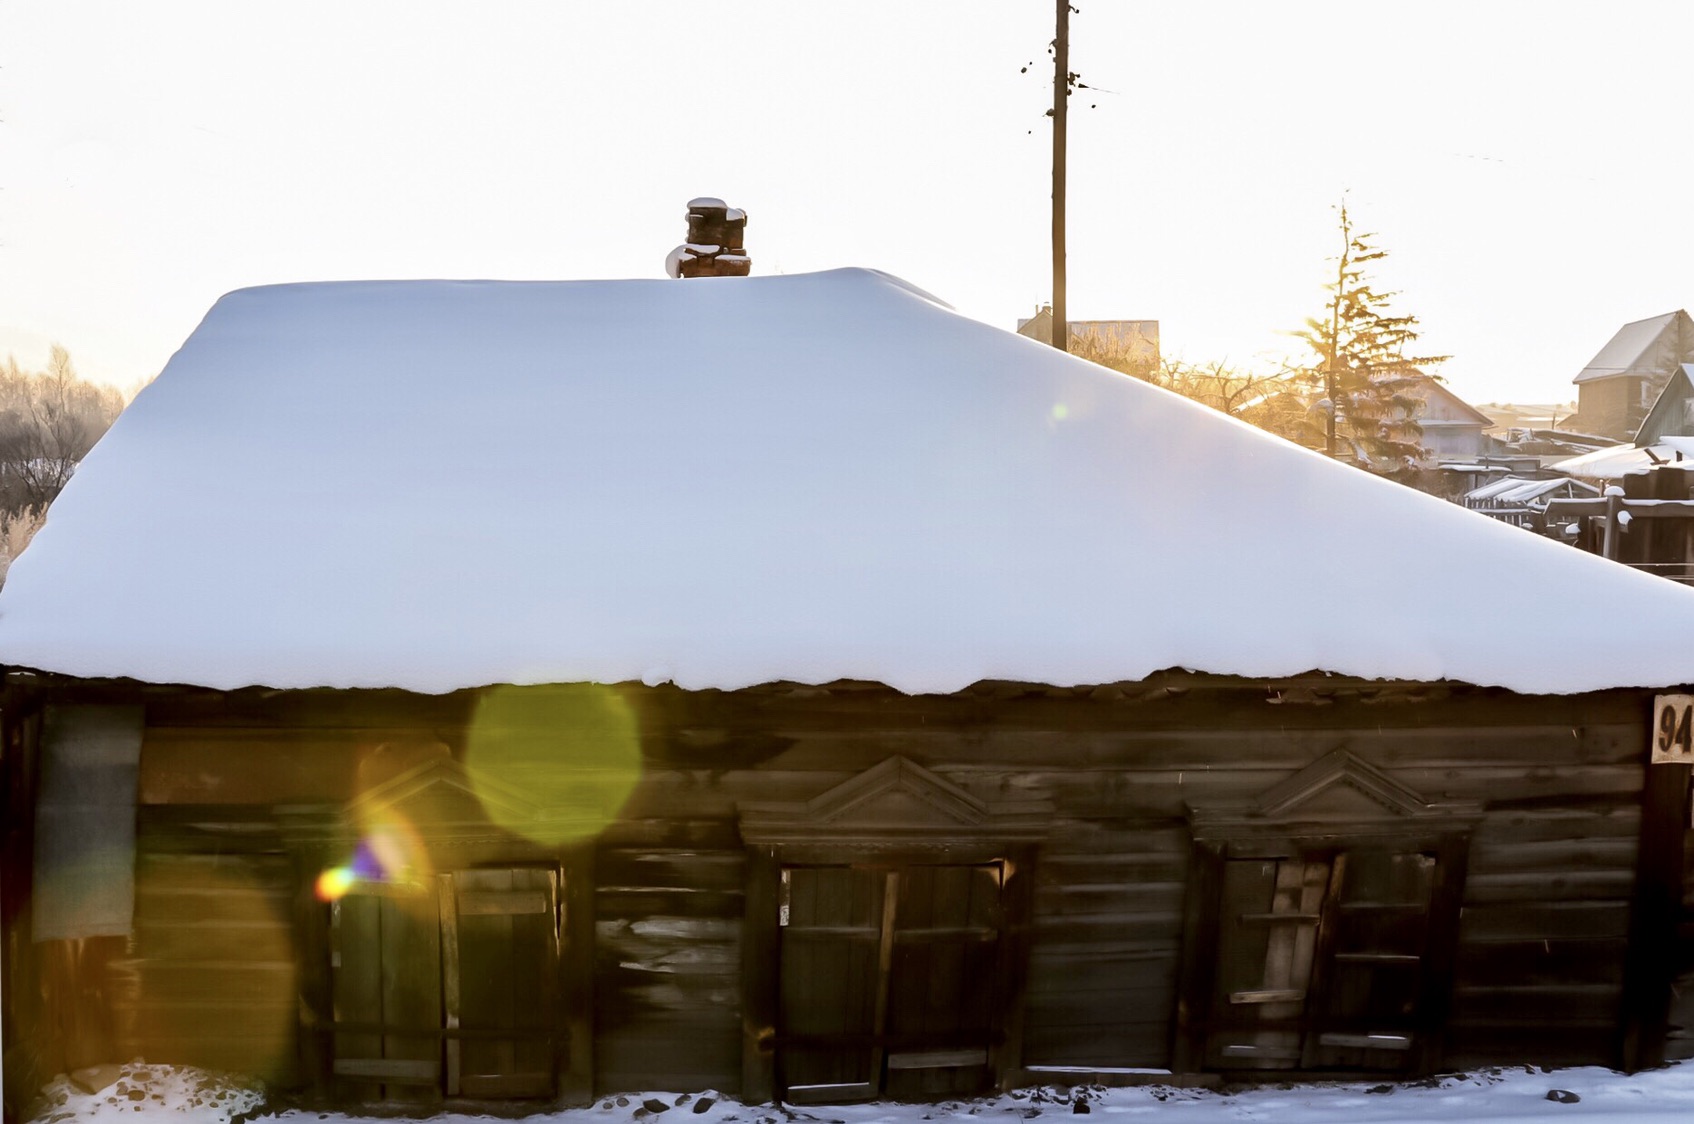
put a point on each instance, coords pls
(209, 978)
(667, 968)
(1680, 1043)
(1544, 936)
(1545, 913)
(1108, 938)
(1538, 969)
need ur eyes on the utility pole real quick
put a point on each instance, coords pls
(1331, 383)
(1061, 101)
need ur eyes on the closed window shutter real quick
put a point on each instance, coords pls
(506, 946)
(887, 980)
(1374, 966)
(447, 986)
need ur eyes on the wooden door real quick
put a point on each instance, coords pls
(887, 980)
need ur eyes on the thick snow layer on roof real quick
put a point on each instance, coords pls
(1618, 461)
(1638, 348)
(728, 481)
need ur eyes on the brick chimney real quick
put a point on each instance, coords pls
(713, 248)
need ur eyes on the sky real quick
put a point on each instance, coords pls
(1525, 166)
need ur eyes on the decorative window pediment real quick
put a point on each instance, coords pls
(440, 793)
(437, 801)
(1336, 791)
(894, 801)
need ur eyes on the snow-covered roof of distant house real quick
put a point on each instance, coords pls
(1516, 490)
(1618, 461)
(1494, 488)
(1442, 407)
(1643, 347)
(728, 481)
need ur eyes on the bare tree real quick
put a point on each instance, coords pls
(1276, 401)
(49, 420)
(16, 530)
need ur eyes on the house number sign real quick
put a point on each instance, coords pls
(1673, 729)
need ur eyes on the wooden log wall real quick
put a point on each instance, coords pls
(1538, 971)
(1108, 938)
(209, 978)
(667, 968)
(1679, 1045)
(1543, 936)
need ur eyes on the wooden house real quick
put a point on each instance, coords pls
(1452, 428)
(1619, 385)
(1672, 414)
(464, 692)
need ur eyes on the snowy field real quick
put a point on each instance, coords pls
(1523, 1096)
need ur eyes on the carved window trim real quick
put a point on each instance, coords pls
(1289, 823)
(892, 814)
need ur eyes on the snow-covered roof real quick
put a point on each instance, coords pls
(728, 481)
(1516, 490)
(1643, 347)
(1442, 408)
(1618, 461)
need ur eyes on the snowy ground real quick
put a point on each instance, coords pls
(1563, 1096)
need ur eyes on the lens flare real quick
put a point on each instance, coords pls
(570, 755)
(334, 883)
(389, 851)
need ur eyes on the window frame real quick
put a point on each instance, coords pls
(895, 813)
(1300, 817)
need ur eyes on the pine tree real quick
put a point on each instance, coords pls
(1362, 373)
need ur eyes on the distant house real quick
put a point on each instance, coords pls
(1135, 343)
(1651, 526)
(1665, 435)
(1452, 427)
(835, 699)
(1672, 414)
(1526, 416)
(1619, 385)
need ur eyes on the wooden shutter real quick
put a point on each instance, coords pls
(1322, 962)
(888, 980)
(942, 993)
(447, 986)
(832, 964)
(501, 936)
(385, 949)
(1376, 941)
